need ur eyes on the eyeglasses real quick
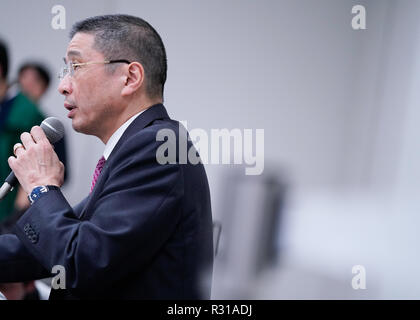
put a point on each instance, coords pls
(70, 67)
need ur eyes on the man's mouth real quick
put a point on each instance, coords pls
(71, 108)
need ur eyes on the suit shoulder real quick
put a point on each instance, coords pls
(162, 124)
(147, 141)
(152, 131)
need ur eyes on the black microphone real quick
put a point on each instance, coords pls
(54, 130)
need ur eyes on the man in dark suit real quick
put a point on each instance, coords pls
(145, 230)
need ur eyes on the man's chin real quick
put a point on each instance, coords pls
(77, 126)
(80, 128)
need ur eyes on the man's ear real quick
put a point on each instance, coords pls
(134, 78)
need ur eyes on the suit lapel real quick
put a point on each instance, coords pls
(153, 113)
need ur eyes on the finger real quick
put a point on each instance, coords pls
(38, 134)
(11, 162)
(18, 149)
(27, 140)
(62, 167)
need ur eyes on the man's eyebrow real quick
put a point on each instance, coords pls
(74, 53)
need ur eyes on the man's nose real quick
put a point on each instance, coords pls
(65, 86)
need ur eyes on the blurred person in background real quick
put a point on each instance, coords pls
(18, 114)
(34, 80)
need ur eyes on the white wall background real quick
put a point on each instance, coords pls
(339, 108)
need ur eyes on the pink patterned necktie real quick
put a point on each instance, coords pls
(98, 170)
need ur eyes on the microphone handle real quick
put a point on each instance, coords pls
(10, 182)
(11, 179)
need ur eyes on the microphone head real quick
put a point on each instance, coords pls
(53, 128)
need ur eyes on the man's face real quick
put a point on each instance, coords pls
(91, 94)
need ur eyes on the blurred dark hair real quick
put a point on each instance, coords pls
(130, 38)
(41, 70)
(4, 60)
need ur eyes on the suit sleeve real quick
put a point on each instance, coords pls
(17, 263)
(136, 212)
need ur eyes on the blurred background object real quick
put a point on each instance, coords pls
(340, 113)
(250, 222)
(34, 80)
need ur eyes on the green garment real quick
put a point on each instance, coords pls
(23, 115)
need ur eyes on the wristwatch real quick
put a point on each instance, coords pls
(40, 191)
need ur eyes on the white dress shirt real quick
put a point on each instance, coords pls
(112, 142)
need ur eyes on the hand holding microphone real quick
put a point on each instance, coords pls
(36, 163)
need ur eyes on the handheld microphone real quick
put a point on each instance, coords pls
(54, 130)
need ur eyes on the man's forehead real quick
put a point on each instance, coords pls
(80, 45)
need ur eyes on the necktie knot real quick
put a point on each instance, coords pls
(97, 172)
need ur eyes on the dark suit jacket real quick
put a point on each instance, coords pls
(145, 232)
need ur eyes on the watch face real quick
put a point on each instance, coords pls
(37, 192)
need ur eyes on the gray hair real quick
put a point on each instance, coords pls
(130, 38)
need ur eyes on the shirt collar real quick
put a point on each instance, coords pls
(112, 142)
